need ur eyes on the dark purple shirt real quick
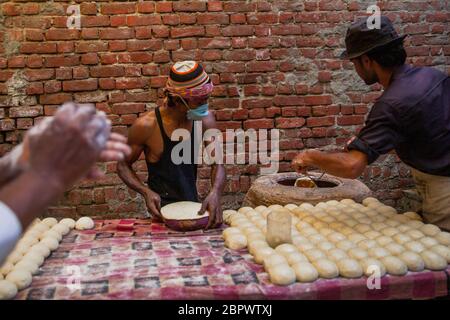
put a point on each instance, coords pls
(412, 117)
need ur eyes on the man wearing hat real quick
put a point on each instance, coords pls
(412, 117)
(186, 102)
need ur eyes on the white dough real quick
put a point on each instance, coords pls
(305, 272)
(229, 231)
(8, 290)
(61, 228)
(414, 246)
(325, 246)
(326, 268)
(357, 253)
(345, 245)
(314, 254)
(383, 240)
(413, 261)
(433, 261)
(50, 243)
(34, 256)
(27, 265)
(429, 242)
(356, 237)
(378, 252)
(14, 257)
(261, 253)
(415, 234)
(21, 278)
(6, 268)
(443, 238)
(272, 260)
(430, 230)
(369, 266)
(336, 254)
(401, 238)
(294, 257)
(50, 222)
(252, 246)
(282, 274)
(394, 265)
(395, 248)
(52, 234)
(349, 268)
(367, 244)
(86, 223)
(442, 250)
(68, 222)
(236, 242)
(389, 231)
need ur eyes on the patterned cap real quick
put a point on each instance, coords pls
(189, 79)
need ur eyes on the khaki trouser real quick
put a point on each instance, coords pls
(435, 193)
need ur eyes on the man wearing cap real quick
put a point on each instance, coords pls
(412, 117)
(186, 102)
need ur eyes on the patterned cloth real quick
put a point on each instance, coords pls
(153, 262)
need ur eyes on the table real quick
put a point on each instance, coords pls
(152, 262)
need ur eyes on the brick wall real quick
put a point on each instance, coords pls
(274, 64)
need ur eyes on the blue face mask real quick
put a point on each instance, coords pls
(198, 113)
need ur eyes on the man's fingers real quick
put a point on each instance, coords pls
(203, 208)
(117, 137)
(83, 115)
(111, 155)
(118, 146)
(95, 173)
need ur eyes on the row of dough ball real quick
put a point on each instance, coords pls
(397, 261)
(29, 254)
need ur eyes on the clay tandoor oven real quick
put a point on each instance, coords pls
(280, 189)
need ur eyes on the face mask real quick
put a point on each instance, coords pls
(198, 113)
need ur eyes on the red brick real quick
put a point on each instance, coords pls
(145, 7)
(187, 32)
(30, 8)
(117, 8)
(11, 9)
(238, 6)
(57, 98)
(320, 121)
(34, 35)
(143, 20)
(80, 85)
(317, 100)
(131, 83)
(290, 122)
(258, 124)
(135, 57)
(144, 45)
(66, 34)
(256, 103)
(89, 58)
(61, 61)
(261, 66)
(112, 33)
(189, 6)
(95, 21)
(106, 83)
(126, 108)
(350, 120)
(215, 6)
(107, 71)
(87, 8)
(288, 100)
(52, 86)
(163, 7)
(31, 47)
(41, 74)
(213, 18)
(238, 31)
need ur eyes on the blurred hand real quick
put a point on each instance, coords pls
(301, 162)
(213, 206)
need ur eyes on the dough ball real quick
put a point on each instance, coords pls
(317, 238)
(336, 237)
(229, 231)
(258, 209)
(272, 260)
(404, 228)
(61, 228)
(345, 245)
(326, 268)
(21, 278)
(415, 234)
(326, 231)
(336, 225)
(8, 290)
(68, 222)
(40, 249)
(357, 253)
(415, 224)
(50, 222)
(325, 246)
(379, 219)
(346, 231)
(41, 227)
(52, 234)
(50, 242)
(351, 222)
(367, 244)
(387, 209)
(356, 237)
(285, 249)
(27, 265)
(314, 254)
(362, 228)
(430, 230)
(282, 275)
(272, 207)
(243, 210)
(428, 242)
(250, 230)
(349, 268)
(401, 238)
(336, 254)
(320, 224)
(413, 261)
(305, 246)
(392, 223)
(294, 257)
(308, 232)
(6, 268)
(310, 219)
(256, 236)
(370, 200)
(254, 245)
(443, 238)
(442, 250)
(291, 206)
(35, 257)
(347, 201)
(28, 241)
(261, 253)
(394, 265)
(85, 223)
(371, 265)
(305, 272)
(32, 234)
(372, 234)
(394, 248)
(414, 246)
(433, 261)
(332, 203)
(389, 231)
(14, 257)
(413, 216)
(383, 240)
(378, 252)
(328, 219)
(299, 239)
(235, 242)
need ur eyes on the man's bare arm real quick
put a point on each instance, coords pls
(342, 164)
